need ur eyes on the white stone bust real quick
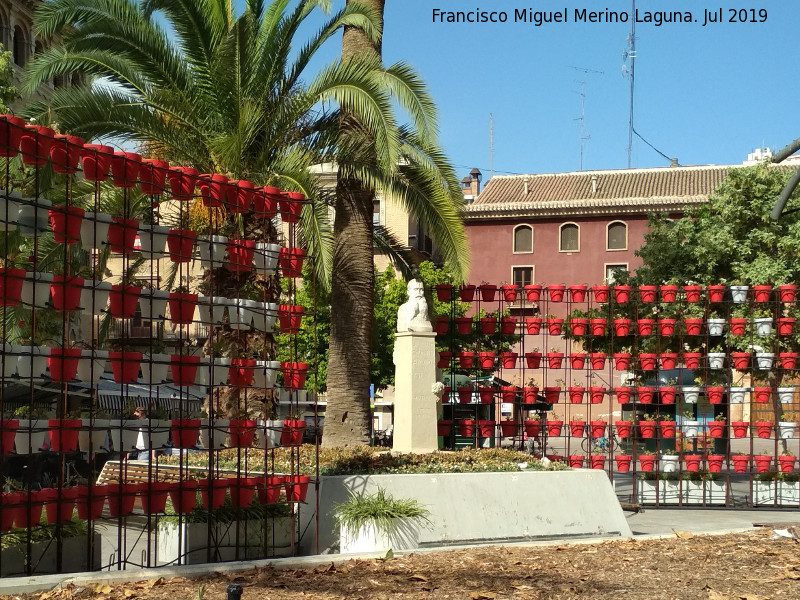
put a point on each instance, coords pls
(413, 315)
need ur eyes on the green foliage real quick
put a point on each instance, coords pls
(42, 532)
(8, 93)
(226, 514)
(379, 509)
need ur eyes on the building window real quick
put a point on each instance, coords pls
(522, 276)
(523, 239)
(617, 236)
(612, 272)
(20, 47)
(376, 212)
(569, 238)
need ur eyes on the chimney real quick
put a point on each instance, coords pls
(594, 184)
(476, 176)
(525, 186)
(673, 162)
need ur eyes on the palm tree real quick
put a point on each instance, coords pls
(419, 176)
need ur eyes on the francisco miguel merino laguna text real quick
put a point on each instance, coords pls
(580, 15)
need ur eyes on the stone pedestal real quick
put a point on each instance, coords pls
(414, 403)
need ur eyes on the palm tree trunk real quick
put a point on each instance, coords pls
(347, 417)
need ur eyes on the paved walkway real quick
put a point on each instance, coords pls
(665, 521)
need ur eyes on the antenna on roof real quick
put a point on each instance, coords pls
(582, 136)
(630, 71)
(491, 146)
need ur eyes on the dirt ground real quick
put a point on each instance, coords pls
(732, 567)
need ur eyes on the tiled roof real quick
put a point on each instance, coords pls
(596, 192)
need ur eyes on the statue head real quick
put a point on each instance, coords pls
(416, 289)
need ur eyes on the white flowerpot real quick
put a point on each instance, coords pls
(272, 315)
(239, 314)
(33, 216)
(266, 257)
(94, 296)
(368, 539)
(31, 436)
(154, 433)
(9, 210)
(256, 311)
(663, 491)
(219, 374)
(271, 373)
(739, 293)
(92, 365)
(9, 359)
(203, 374)
(789, 493)
(690, 428)
(764, 360)
(715, 326)
(763, 325)
(38, 285)
(153, 303)
(787, 429)
(124, 434)
(269, 433)
(93, 436)
(220, 430)
(703, 492)
(153, 239)
(669, 463)
(31, 361)
(716, 360)
(155, 368)
(212, 250)
(738, 394)
(786, 395)
(94, 230)
(691, 393)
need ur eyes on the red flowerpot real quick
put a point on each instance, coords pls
(185, 432)
(242, 432)
(578, 326)
(597, 360)
(714, 462)
(292, 432)
(623, 428)
(600, 293)
(488, 293)
(647, 429)
(597, 326)
(122, 300)
(554, 359)
(738, 326)
(296, 487)
(464, 325)
(645, 394)
(65, 221)
(739, 428)
(466, 359)
(762, 462)
(556, 292)
(467, 293)
(443, 427)
(508, 325)
(577, 428)
(667, 394)
(183, 369)
(154, 496)
(90, 508)
(444, 359)
(11, 281)
(184, 496)
(715, 293)
(486, 394)
(786, 293)
(761, 293)
(647, 361)
(443, 292)
(533, 292)
(290, 318)
(213, 189)
(509, 293)
(219, 489)
(597, 429)
(669, 293)
(8, 427)
(764, 429)
(63, 434)
(622, 293)
(692, 462)
(290, 261)
(59, 505)
(466, 427)
(240, 254)
(29, 508)
(622, 327)
(554, 326)
(507, 429)
(715, 394)
(576, 394)
(623, 394)
(532, 325)
(533, 359)
(647, 462)
(693, 326)
(740, 462)
(647, 293)
(180, 245)
(667, 428)
(691, 360)
(786, 463)
(152, 176)
(716, 428)
(577, 293)
(182, 181)
(294, 374)
(66, 293)
(551, 394)
(122, 498)
(508, 393)
(668, 360)
(621, 361)
(597, 461)
(554, 428)
(125, 169)
(666, 327)
(11, 130)
(290, 206)
(488, 325)
(181, 307)
(63, 363)
(243, 490)
(623, 463)
(692, 293)
(265, 202)
(122, 235)
(596, 394)
(762, 394)
(576, 461)
(96, 161)
(486, 360)
(788, 360)
(508, 359)
(35, 144)
(269, 490)
(785, 325)
(645, 326)
(441, 326)
(464, 394)
(530, 394)
(532, 428)
(125, 366)
(577, 360)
